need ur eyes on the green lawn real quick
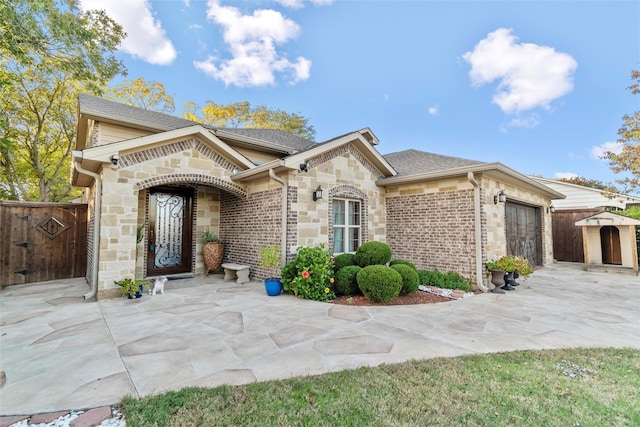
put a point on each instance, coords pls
(578, 387)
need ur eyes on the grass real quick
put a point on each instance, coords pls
(576, 387)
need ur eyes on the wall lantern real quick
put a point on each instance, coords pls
(551, 209)
(304, 167)
(317, 194)
(114, 159)
(500, 197)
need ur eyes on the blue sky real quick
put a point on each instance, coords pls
(539, 86)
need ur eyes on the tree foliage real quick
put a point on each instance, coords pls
(49, 51)
(143, 94)
(242, 114)
(591, 183)
(80, 43)
(628, 160)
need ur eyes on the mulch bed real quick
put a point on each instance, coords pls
(418, 297)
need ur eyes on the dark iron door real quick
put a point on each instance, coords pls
(523, 232)
(611, 249)
(42, 241)
(169, 244)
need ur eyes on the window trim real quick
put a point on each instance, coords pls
(346, 227)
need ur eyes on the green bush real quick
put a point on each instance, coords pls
(310, 274)
(379, 283)
(343, 260)
(346, 283)
(449, 280)
(373, 253)
(410, 280)
(403, 262)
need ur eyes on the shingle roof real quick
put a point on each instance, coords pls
(100, 107)
(413, 162)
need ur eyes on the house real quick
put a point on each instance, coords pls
(580, 202)
(258, 187)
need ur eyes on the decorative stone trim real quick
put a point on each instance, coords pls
(174, 148)
(192, 178)
(339, 151)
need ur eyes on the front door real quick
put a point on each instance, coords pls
(169, 245)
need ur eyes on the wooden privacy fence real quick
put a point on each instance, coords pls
(42, 241)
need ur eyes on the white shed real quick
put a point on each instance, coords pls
(609, 239)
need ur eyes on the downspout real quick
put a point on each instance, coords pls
(97, 207)
(283, 237)
(478, 225)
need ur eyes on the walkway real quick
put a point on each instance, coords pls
(59, 352)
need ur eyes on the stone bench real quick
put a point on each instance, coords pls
(236, 271)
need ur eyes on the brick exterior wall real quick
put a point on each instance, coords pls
(247, 224)
(434, 230)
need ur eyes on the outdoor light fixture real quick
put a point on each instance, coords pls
(304, 167)
(500, 197)
(551, 209)
(114, 159)
(317, 194)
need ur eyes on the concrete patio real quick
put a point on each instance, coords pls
(59, 352)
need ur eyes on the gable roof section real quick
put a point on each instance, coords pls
(363, 140)
(581, 197)
(607, 218)
(100, 109)
(93, 158)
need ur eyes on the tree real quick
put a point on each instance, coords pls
(591, 183)
(38, 135)
(80, 43)
(143, 94)
(242, 114)
(49, 51)
(628, 160)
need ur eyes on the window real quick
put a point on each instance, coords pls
(346, 225)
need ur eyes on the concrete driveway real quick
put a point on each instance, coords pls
(59, 352)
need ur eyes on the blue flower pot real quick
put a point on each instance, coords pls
(273, 286)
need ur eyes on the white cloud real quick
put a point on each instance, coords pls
(529, 75)
(252, 41)
(298, 4)
(600, 151)
(566, 175)
(146, 39)
(433, 110)
(525, 122)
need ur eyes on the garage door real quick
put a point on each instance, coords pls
(524, 236)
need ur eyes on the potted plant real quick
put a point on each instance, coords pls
(131, 288)
(509, 267)
(212, 251)
(270, 259)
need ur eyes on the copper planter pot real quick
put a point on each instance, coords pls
(212, 253)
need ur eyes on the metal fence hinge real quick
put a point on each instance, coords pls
(26, 245)
(25, 217)
(25, 272)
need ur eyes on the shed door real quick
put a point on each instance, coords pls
(524, 236)
(611, 249)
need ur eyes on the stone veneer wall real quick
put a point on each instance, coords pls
(434, 230)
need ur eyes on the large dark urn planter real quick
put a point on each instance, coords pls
(497, 278)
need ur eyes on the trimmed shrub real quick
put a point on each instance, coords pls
(346, 283)
(410, 280)
(403, 262)
(449, 280)
(373, 253)
(343, 260)
(379, 283)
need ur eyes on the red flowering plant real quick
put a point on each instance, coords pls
(310, 274)
(510, 263)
